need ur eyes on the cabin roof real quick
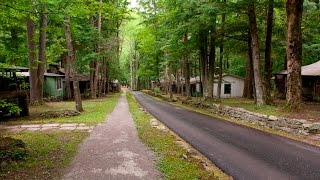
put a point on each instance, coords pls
(308, 70)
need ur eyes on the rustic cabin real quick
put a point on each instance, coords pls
(53, 87)
(11, 90)
(310, 82)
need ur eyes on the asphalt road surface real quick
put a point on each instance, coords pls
(241, 152)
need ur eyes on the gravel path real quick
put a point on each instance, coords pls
(114, 151)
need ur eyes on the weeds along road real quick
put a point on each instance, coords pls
(241, 152)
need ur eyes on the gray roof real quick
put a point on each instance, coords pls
(26, 74)
(308, 70)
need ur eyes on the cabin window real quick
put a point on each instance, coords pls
(227, 88)
(59, 83)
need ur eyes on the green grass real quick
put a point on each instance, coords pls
(171, 162)
(50, 153)
(94, 111)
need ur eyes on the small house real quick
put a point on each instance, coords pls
(11, 90)
(54, 85)
(231, 87)
(310, 81)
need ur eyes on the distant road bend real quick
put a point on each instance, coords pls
(241, 152)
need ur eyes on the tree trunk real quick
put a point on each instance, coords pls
(220, 72)
(294, 10)
(204, 62)
(223, 19)
(42, 54)
(72, 60)
(97, 64)
(33, 77)
(186, 69)
(267, 66)
(67, 75)
(212, 59)
(248, 89)
(256, 54)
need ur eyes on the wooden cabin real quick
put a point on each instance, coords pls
(11, 90)
(310, 82)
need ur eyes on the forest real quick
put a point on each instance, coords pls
(82, 36)
(182, 39)
(161, 41)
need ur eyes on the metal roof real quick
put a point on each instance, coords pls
(26, 74)
(308, 70)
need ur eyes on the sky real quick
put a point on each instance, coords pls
(133, 3)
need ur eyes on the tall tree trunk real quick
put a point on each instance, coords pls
(104, 75)
(223, 20)
(33, 72)
(72, 60)
(294, 10)
(267, 65)
(256, 54)
(42, 53)
(186, 67)
(212, 59)
(220, 72)
(204, 62)
(67, 75)
(248, 89)
(97, 64)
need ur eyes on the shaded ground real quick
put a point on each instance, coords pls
(241, 152)
(114, 151)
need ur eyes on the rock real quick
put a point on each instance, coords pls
(161, 128)
(154, 124)
(273, 118)
(307, 125)
(315, 128)
(286, 129)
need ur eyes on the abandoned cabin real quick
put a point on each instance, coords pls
(310, 82)
(11, 90)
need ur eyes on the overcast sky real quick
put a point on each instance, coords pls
(133, 3)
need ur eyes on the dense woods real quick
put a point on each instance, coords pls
(163, 42)
(81, 36)
(207, 39)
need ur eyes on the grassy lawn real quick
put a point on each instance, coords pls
(171, 162)
(94, 111)
(49, 154)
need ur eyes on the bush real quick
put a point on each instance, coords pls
(157, 90)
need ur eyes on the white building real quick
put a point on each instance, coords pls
(232, 86)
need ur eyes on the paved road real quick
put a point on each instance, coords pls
(241, 152)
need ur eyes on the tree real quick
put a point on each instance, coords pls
(267, 66)
(294, 9)
(72, 60)
(255, 54)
